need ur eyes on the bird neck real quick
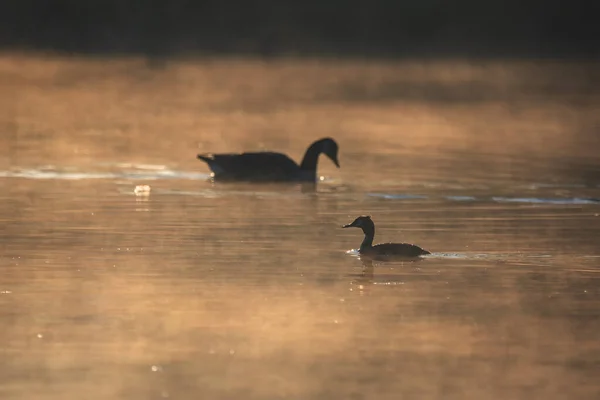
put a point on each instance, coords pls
(311, 157)
(367, 242)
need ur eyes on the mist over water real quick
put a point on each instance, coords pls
(128, 274)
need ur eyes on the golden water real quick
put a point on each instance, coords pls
(226, 291)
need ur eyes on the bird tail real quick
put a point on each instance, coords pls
(205, 157)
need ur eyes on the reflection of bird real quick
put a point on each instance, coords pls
(383, 249)
(269, 166)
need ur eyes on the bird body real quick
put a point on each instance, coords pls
(383, 249)
(270, 166)
(394, 249)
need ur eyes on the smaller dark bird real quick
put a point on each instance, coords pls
(269, 166)
(384, 249)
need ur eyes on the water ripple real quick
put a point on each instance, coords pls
(397, 196)
(138, 172)
(536, 200)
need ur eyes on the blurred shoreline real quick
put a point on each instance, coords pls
(269, 28)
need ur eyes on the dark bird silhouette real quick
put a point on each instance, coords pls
(383, 249)
(269, 166)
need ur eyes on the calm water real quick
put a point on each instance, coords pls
(225, 291)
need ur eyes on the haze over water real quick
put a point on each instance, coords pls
(225, 291)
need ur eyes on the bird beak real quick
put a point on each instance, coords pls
(336, 162)
(347, 226)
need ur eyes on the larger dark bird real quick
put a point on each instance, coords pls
(267, 166)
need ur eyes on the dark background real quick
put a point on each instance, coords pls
(308, 27)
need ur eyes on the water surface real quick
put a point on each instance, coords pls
(222, 291)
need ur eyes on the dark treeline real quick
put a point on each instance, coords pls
(271, 27)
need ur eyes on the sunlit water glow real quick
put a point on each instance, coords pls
(128, 274)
